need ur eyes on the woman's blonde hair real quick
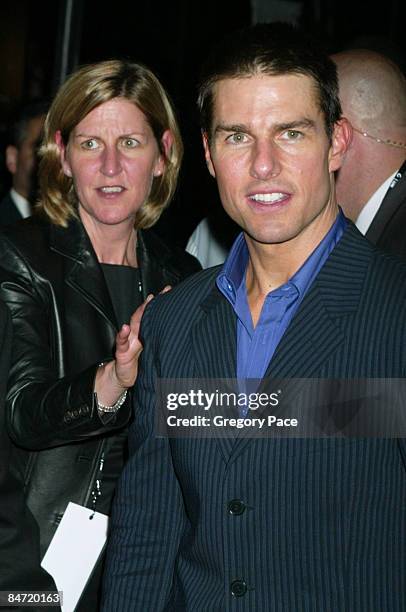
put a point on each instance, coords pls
(83, 91)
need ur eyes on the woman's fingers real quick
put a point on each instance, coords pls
(128, 345)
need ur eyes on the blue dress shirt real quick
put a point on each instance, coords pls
(256, 346)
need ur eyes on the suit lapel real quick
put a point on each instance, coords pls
(308, 342)
(317, 331)
(82, 270)
(214, 342)
(214, 338)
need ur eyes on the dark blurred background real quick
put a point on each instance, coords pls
(42, 42)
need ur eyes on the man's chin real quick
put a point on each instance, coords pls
(270, 236)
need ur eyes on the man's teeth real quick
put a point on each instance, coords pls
(111, 189)
(267, 197)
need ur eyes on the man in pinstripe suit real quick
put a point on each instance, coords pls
(281, 524)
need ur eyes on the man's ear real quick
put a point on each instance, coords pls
(11, 158)
(67, 170)
(207, 154)
(340, 141)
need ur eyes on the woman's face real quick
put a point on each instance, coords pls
(113, 158)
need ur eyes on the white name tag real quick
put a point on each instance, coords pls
(74, 551)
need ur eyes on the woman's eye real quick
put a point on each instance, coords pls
(237, 138)
(89, 144)
(130, 143)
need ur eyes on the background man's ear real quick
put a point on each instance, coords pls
(11, 158)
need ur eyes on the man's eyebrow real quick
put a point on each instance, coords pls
(224, 127)
(293, 125)
(304, 123)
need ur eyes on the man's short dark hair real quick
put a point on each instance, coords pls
(17, 131)
(270, 49)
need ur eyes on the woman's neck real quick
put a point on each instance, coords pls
(113, 244)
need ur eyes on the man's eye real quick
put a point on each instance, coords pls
(89, 144)
(293, 135)
(130, 143)
(237, 138)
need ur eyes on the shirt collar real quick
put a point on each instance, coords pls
(232, 273)
(370, 209)
(22, 204)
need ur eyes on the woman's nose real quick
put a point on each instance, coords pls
(111, 161)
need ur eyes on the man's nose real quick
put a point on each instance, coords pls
(265, 160)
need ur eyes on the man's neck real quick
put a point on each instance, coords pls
(272, 265)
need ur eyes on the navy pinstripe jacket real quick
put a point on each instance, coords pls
(322, 524)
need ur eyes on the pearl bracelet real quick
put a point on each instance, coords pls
(114, 407)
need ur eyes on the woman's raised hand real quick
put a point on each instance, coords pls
(114, 377)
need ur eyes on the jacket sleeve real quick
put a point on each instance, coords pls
(19, 539)
(149, 517)
(44, 408)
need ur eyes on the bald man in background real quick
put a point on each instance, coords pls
(371, 184)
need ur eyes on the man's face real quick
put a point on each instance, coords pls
(272, 159)
(22, 161)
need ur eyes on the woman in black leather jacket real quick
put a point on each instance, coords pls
(73, 274)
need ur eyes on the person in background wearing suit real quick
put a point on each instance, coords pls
(284, 523)
(371, 184)
(21, 162)
(212, 239)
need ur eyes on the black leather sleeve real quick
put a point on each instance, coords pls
(44, 408)
(19, 541)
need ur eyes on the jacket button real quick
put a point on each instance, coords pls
(238, 588)
(236, 507)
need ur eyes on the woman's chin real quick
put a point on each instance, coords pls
(108, 218)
